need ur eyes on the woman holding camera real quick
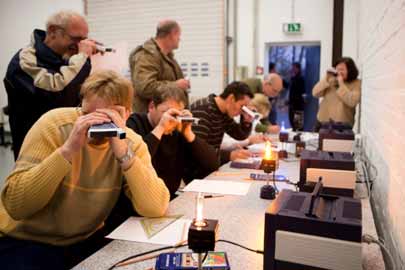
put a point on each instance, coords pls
(340, 90)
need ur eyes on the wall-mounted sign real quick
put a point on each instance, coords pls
(292, 28)
(195, 69)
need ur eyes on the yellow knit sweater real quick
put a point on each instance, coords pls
(338, 103)
(49, 200)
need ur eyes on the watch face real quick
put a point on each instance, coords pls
(129, 155)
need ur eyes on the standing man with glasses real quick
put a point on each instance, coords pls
(48, 73)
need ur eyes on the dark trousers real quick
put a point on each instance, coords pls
(18, 254)
(317, 126)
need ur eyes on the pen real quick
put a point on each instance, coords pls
(212, 196)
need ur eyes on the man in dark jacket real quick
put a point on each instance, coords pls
(171, 143)
(296, 98)
(48, 73)
(153, 65)
(173, 147)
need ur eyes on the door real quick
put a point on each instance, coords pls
(308, 56)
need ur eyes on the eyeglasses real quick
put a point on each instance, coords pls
(75, 39)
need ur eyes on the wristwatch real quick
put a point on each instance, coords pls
(128, 156)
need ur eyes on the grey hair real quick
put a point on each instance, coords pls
(164, 28)
(62, 19)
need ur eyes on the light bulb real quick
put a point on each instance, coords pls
(199, 207)
(267, 151)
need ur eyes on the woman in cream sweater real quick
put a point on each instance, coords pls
(340, 90)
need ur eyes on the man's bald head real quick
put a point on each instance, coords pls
(272, 85)
(166, 27)
(168, 35)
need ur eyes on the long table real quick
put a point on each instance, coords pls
(241, 219)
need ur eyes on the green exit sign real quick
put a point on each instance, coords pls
(292, 28)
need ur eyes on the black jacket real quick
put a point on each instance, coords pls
(39, 80)
(172, 155)
(172, 158)
(297, 89)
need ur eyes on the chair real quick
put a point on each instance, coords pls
(3, 141)
(6, 111)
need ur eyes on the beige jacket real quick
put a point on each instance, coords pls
(339, 102)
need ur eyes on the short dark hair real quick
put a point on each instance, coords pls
(272, 66)
(297, 65)
(166, 92)
(165, 28)
(352, 71)
(238, 89)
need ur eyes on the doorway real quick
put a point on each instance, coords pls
(283, 55)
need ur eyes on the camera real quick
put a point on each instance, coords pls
(254, 115)
(106, 130)
(332, 71)
(188, 119)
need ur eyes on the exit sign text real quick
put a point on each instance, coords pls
(292, 28)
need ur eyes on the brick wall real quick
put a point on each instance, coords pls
(382, 62)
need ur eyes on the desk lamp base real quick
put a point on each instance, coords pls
(267, 192)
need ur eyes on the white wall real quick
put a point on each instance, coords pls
(316, 17)
(351, 29)
(245, 33)
(350, 46)
(382, 57)
(18, 18)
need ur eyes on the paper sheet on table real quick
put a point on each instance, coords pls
(249, 160)
(117, 61)
(132, 230)
(260, 147)
(218, 187)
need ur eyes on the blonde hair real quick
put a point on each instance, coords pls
(109, 85)
(262, 104)
(62, 19)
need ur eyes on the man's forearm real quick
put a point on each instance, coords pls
(150, 196)
(29, 190)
